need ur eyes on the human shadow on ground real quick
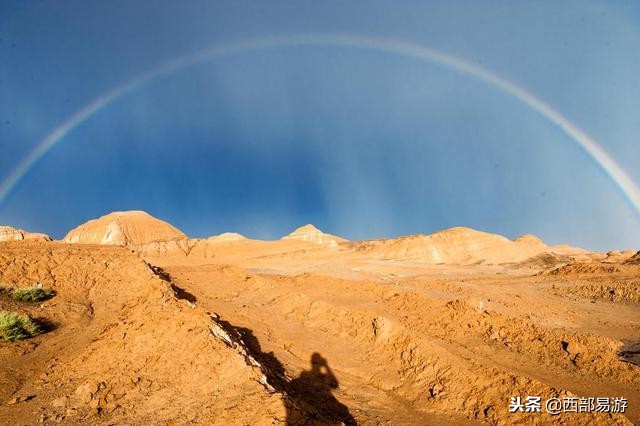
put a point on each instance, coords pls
(313, 392)
(308, 398)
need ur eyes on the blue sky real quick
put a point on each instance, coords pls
(362, 143)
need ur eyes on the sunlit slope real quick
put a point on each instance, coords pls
(124, 228)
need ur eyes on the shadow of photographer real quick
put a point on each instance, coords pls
(312, 391)
(309, 398)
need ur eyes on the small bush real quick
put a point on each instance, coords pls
(32, 294)
(17, 327)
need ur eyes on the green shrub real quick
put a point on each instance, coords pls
(17, 327)
(32, 294)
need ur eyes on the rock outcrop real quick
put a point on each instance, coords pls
(8, 233)
(634, 260)
(124, 228)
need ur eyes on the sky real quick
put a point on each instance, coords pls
(364, 143)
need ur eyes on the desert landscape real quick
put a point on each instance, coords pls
(140, 324)
(392, 212)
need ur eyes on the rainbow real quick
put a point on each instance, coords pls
(392, 46)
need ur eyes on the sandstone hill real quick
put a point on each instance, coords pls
(124, 228)
(227, 236)
(7, 233)
(459, 246)
(618, 256)
(306, 243)
(152, 237)
(312, 234)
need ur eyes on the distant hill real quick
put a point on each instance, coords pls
(124, 228)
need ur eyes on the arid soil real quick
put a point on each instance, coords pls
(297, 331)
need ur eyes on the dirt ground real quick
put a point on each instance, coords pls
(262, 338)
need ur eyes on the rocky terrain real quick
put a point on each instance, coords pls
(7, 233)
(150, 326)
